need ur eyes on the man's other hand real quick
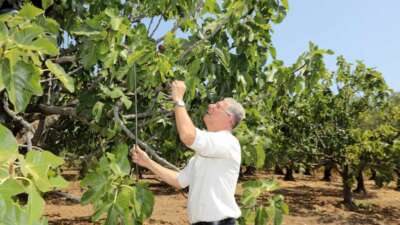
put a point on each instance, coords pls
(140, 157)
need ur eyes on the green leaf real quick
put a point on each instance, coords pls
(8, 144)
(125, 100)
(132, 58)
(97, 111)
(223, 57)
(58, 182)
(260, 154)
(143, 201)
(29, 11)
(261, 216)
(27, 34)
(47, 3)
(112, 216)
(22, 83)
(37, 165)
(285, 4)
(114, 93)
(101, 210)
(60, 73)
(11, 187)
(35, 205)
(46, 46)
(121, 158)
(123, 197)
(3, 33)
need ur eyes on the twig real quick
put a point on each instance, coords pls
(49, 79)
(145, 114)
(146, 147)
(205, 37)
(30, 131)
(177, 24)
(151, 23)
(65, 59)
(75, 70)
(156, 27)
(137, 19)
(68, 196)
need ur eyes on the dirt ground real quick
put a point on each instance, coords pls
(310, 200)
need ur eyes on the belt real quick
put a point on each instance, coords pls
(227, 221)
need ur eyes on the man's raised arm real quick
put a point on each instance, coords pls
(184, 124)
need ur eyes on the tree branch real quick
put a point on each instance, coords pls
(205, 37)
(65, 59)
(146, 114)
(156, 27)
(146, 147)
(29, 129)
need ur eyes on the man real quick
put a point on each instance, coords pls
(213, 172)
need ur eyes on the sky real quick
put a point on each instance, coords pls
(366, 30)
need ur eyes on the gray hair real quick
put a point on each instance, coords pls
(236, 109)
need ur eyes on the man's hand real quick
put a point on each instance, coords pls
(178, 89)
(140, 157)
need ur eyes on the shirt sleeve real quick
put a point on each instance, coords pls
(214, 144)
(184, 175)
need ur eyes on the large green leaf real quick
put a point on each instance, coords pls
(4, 71)
(3, 33)
(60, 73)
(22, 83)
(27, 34)
(11, 187)
(143, 201)
(46, 3)
(35, 205)
(43, 45)
(37, 164)
(29, 11)
(8, 144)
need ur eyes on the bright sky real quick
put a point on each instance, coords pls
(366, 30)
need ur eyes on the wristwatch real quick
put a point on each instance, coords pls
(179, 103)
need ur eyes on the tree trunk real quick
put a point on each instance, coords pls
(327, 173)
(307, 171)
(250, 170)
(278, 170)
(289, 174)
(373, 174)
(398, 180)
(347, 194)
(360, 184)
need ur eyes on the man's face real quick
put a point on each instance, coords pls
(218, 115)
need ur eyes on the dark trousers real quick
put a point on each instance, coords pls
(227, 221)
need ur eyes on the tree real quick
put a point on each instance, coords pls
(78, 61)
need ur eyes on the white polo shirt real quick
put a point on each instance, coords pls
(212, 175)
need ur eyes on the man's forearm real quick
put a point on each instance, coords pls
(167, 175)
(185, 126)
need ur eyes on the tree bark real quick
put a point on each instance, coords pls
(278, 170)
(289, 174)
(373, 175)
(398, 180)
(347, 194)
(360, 183)
(307, 171)
(327, 173)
